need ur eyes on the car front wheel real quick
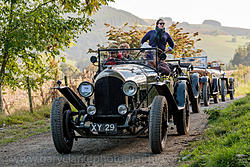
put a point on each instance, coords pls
(206, 94)
(216, 98)
(196, 108)
(183, 118)
(158, 124)
(62, 133)
(223, 90)
(232, 92)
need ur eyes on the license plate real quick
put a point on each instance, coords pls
(98, 127)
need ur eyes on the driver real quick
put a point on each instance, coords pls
(125, 53)
(113, 56)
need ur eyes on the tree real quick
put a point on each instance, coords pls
(33, 32)
(242, 55)
(184, 41)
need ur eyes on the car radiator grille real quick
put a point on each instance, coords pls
(108, 95)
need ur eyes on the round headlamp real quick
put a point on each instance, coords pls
(130, 88)
(85, 89)
(91, 110)
(122, 109)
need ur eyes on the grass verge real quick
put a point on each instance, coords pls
(243, 89)
(226, 142)
(23, 124)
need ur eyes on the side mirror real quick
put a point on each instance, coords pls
(162, 56)
(93, 59)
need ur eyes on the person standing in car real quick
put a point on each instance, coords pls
(158, 37)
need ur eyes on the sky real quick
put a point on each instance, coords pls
(228, 12)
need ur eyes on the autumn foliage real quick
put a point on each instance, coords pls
(132, 34)
(184, 42)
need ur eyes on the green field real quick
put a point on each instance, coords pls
(221, 47)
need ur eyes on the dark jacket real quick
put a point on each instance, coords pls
(162, 42)
(164, 68)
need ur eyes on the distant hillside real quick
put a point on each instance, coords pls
(221, 47)
(219, 42)
(115, 17)
(97, 35)
(209, 29)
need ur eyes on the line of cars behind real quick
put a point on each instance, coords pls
(213, 81)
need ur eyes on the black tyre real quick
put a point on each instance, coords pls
(223, 90)
(206, 94)
(158, 120)
(216, 98)
(62, 133)
(196, 108)
(195, 86)
(232, 92)
(183, 118)
(232, 95)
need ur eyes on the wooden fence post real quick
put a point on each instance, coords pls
(29, 93)
(6, 106)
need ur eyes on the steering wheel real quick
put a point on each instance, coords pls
(113, 60)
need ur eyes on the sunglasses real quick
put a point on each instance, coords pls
(161, 23)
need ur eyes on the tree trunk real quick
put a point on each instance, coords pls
(5, 54)
(2, 73)
(1, 99)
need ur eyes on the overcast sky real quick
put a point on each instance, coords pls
(233, 13)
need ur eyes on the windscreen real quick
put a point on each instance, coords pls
(215, 64)
(145, 56)
(197, 62)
